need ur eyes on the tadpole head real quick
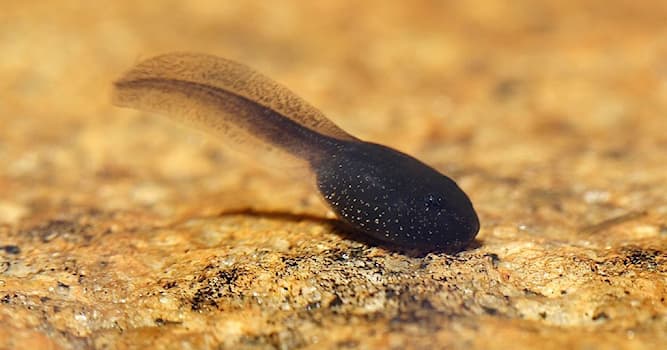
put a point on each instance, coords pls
(445, 215)
(396, 198)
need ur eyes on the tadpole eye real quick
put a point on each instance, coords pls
(433, 201)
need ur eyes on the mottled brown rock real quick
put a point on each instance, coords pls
(123, 230)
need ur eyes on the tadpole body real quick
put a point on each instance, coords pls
(381, 192)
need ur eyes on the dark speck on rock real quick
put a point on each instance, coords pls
(600, 316)
(11, 249)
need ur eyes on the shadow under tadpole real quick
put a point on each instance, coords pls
(278, 215)
(346, 231)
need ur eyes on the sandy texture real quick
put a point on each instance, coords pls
(123, 230)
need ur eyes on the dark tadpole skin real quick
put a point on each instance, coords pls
(396, 198)
(381, 192)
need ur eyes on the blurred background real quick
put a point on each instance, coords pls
(508, 82)
(550, 114)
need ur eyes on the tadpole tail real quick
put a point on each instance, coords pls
(227, 99)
